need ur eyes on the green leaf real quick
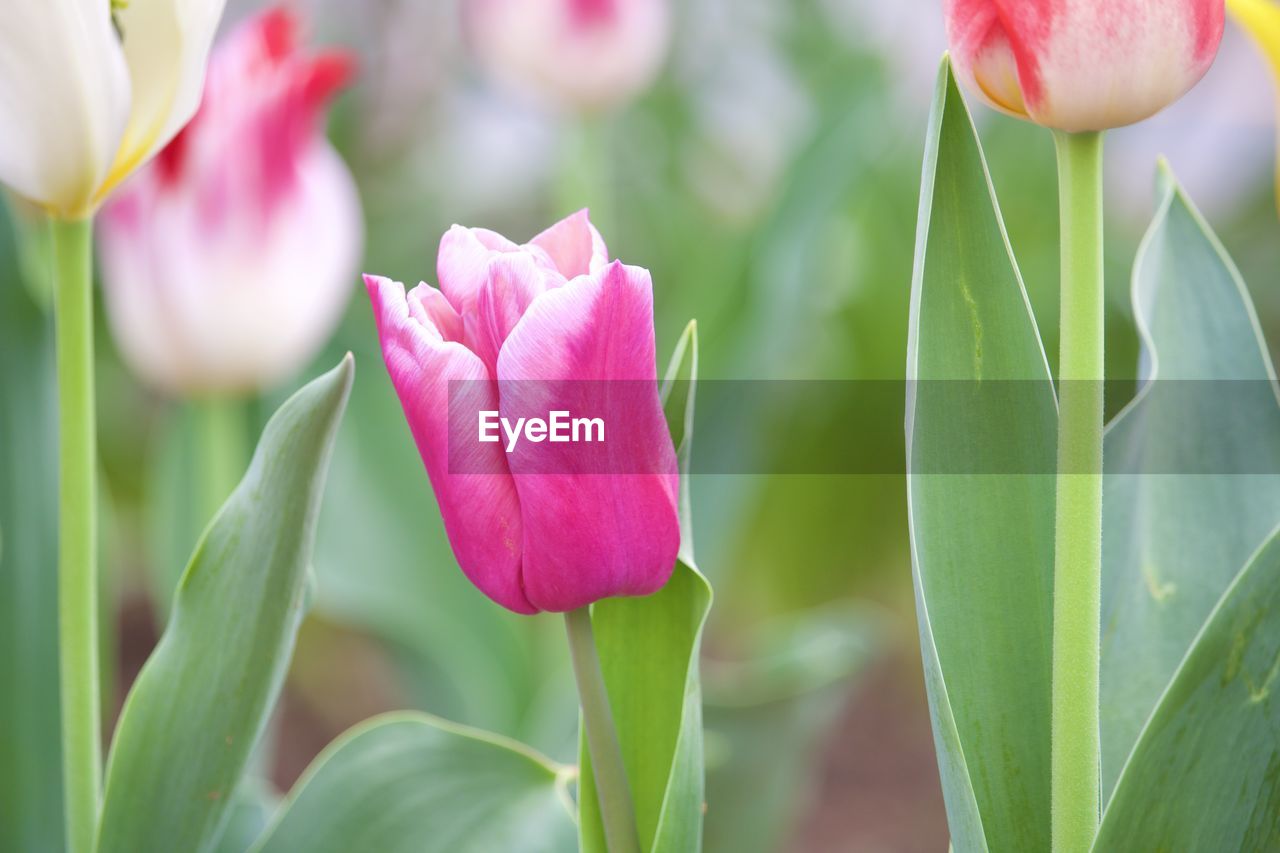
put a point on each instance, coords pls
(1172, 543)
(982, 537)
(411, 783)
(30, 736)
(203, 698)
(649, 654)
(1205, 774)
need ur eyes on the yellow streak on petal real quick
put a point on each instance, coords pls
(1261, 20)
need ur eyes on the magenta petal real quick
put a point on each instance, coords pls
(599, 520)
(463, 263)
(574, 245)
(512, 282)
(481, 511)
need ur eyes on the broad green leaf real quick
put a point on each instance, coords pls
(30, 738)
(203, 698)
(765, 712)
(1175, 538)
(979, 394)
(1205, 774)
(649, 654)
(411, 783)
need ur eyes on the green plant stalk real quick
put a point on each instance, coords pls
(1077, 570)
(223, 450)
(77, 532)
(586, 175)
(616, 807)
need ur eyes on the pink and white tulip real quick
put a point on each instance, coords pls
(1081, 65)
(228, 261)
(519, 329)
(90, 90)
(583, 54)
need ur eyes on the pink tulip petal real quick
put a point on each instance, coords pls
(481, 511)
(599, 520)
(463, 263)
(513, 281)
(574, 245)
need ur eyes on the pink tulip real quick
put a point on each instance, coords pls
(586, 54)
(522, 330)
(227, 261)
(1079, 65)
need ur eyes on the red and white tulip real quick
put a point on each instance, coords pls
(228, 261)
(584, 54)
(1081, 65)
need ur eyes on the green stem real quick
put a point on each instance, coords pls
(77, 533)
(607, 769)
(222, 450)
(586, 177)
(1077, 567)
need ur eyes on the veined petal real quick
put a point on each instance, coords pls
(462, 265)
(481, 510)
(166, 45)
(574, 245)
(599, 520)
(64, 100)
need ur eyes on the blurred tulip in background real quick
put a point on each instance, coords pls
(1078, 66)
(89, 90)
(513, 322)
(228, 261)
(583, 54)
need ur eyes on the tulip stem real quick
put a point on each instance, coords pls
(1077, 570)
(77, 533)
(607, 769)
(222, 450)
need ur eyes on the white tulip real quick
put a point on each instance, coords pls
(91, 89)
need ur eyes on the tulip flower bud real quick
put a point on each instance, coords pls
(1080, 65)
(90, 90)
(584, 54)
(549, 327)
(227, 262)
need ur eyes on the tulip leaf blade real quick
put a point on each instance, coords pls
(981, 538)
(202, 699)
(1207, 413)
(649, 650)
(30, 736)
(1205, 773)
(407, 782)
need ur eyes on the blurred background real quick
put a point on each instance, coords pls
(767, 172)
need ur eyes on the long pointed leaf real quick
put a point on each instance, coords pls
(982, 537)
(649, 654)
(203, 698)
(1175, 538)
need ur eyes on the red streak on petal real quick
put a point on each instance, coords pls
(279, 28)
(173, 157)
(1208, 19)
(327, 74)
(1027, 24)
(586, 13)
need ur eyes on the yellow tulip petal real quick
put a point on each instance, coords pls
(166, 44)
